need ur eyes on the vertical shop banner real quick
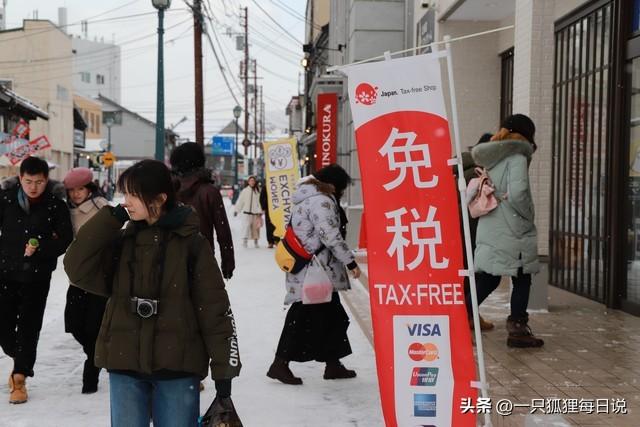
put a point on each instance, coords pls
(326, 127)
(282, 175)
(423, 345)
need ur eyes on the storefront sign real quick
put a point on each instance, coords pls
(25, 150)
(282, 175)
(422, 341)
(326, 126)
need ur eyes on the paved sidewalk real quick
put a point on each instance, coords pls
(590, 352)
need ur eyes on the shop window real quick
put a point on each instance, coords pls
(580, 143)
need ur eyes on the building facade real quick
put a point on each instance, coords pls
(37, 63)
(96, 68)
(573, 67)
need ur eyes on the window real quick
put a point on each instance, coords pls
(635, 24)
(100, 79)
(85, 77)
(506, 84)
(62, 94)
(581, 145)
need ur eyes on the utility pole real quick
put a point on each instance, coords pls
(246, 141)
(197, 55)
(255, 113)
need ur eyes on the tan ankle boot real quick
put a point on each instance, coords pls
(17, 389)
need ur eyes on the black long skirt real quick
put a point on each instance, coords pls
(315, 332)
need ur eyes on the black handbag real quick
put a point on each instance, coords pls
(221, 413)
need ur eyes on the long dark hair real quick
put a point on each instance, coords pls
(147, 179)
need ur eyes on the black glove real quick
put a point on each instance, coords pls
(227, 268)
(120, 213)
(227, 273)
(221, 413)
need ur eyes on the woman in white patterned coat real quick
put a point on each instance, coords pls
(318, 331)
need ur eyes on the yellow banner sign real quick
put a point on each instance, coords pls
(282, 175)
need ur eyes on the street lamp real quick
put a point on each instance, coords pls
(109, 121)
(237, 111)
(161, 5)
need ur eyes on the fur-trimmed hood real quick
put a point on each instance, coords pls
(54, 187)
(310, 186)
(491, 153)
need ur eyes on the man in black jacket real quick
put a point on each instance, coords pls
(35, 229)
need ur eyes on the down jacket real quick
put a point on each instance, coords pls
(507, 238)
(315, 219)
(194, 324)
(47, 220)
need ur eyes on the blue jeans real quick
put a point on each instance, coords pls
(170, 403)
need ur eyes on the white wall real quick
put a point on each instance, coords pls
(95, 58)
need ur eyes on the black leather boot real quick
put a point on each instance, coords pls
(279, 370)
(520, 335)
(90, 376)
(336, 371)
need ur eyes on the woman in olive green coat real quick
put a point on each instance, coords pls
(506, 239)
(168, 316)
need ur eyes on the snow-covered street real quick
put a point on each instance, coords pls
(256, 291)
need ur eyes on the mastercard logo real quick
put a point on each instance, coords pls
(419, 352)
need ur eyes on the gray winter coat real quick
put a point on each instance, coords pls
(507, 238)
(316, 221)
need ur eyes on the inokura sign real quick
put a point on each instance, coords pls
(326, 141)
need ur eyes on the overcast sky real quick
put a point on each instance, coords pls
(277, 53)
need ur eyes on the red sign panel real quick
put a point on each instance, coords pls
(326, 126)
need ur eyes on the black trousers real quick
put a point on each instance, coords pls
(315, 332)
(21, 311)
(486, 284)
(83, 318)
(270, 228)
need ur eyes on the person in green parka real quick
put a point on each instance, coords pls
(506, 239)
(168, 315)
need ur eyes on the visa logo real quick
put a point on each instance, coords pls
(424, 330)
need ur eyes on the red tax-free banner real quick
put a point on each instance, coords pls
(423, 345)
(327, 121)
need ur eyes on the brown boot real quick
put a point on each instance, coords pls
(520, 335)
(337, 371)
(17, 389)
(279, 370)
(485, 325)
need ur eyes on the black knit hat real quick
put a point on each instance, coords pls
(519, 123)
(187, 157)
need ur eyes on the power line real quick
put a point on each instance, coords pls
(276, 74)
(224, 75)
(209, 15)
(291, 12)
(276, 22)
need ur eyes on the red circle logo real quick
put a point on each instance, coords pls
(366, 94)
(417, 351)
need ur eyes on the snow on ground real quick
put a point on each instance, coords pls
(256, 292)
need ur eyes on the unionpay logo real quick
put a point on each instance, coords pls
(366, 94)
(424, 405)
(419, 352)
(424, 377)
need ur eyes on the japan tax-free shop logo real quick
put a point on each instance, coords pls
(424, 405)
(367, 94)
(424, 377)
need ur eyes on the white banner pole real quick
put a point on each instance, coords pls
(467, 233)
